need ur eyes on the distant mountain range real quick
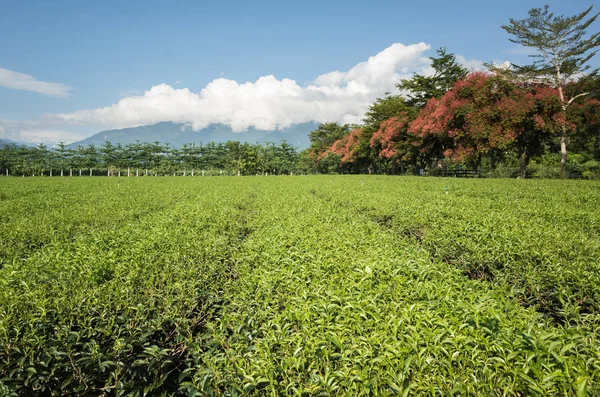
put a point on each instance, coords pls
(178, 134)
(4, 142)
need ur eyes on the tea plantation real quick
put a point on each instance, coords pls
(299, 286)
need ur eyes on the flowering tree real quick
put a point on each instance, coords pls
(485, 113)
(346, 148)
(562, 51)
(392, 143)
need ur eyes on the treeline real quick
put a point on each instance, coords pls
(229, 158)
(484, 121)
(508, 121)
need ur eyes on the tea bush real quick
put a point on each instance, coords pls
(321, 285)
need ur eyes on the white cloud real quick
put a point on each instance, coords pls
(21, 81)
(471, 64)
(267, 103)
(38, 131)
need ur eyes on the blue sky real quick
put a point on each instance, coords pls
(89, 55)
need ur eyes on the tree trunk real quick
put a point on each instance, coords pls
(563, 130)
(523, 166)
(563, 151)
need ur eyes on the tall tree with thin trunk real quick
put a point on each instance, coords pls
(562, 51)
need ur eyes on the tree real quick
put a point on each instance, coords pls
(321, 140)
(422, 88)
(382, 135)
(326, 134)
(485, 114)
(62, 156)
(41, 158)
(562, 52)
(384, 108)
(347, 149)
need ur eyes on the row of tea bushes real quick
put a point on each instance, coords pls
(305, 286)
(118, 309)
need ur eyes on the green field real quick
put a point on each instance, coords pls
(304, 285)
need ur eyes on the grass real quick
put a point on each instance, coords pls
(343, 285)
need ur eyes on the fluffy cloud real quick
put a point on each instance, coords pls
(21, 81)
(471, 64)
(268, 103)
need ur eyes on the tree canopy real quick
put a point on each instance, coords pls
(421, 88)
(562, 51)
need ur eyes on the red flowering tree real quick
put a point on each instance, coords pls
(485, 114)
(394, 146)
(387, 140)
(318, 155)
(586, 116)
(347, 149)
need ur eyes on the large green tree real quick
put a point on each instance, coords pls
(421, 88)
(562, 51)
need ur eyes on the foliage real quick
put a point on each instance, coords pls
(562, 52)
(154, 158)
(422, 88)
(300, 286)
(321, 140)
(484, 114)
(562, 47)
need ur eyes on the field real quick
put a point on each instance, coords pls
(303, 285)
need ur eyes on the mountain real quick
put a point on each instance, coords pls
(179, 134)
(4, 142)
